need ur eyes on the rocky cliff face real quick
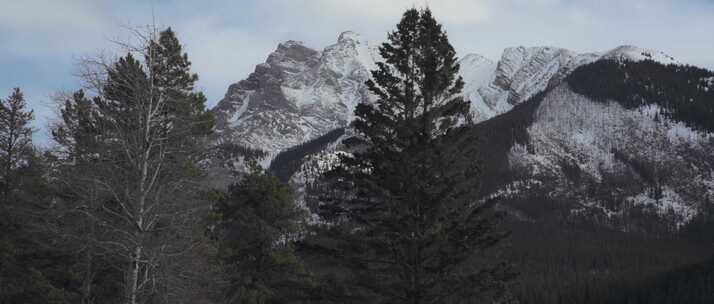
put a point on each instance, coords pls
(296, 95)
(523, 72)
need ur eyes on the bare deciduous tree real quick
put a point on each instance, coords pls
(132, 151)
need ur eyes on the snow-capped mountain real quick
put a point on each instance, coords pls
(300, 93)
(602, 157)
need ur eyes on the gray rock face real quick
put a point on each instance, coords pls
(296, 95)
(523, 72)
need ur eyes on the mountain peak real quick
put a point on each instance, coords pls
(291, 50)
(473, 57)
(299, 94)
(349, 36)
(290, 44)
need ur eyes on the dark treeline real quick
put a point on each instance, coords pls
(231, 156)
(684, 93)
(231, 151)
(690, 284)
(581, 262)
(287, 162)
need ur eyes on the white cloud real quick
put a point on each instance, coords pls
(488, 26)
(50, 15)
(51, 27)
(453, 11)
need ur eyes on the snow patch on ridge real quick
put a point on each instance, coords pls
(633, 53)
(234, 121)
(669, 203)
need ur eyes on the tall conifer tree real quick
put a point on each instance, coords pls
(408, 228)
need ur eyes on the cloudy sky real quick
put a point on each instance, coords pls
(42, 40)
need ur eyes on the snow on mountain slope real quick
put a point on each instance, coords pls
(635, 156)
(523, 72)
(477, 72)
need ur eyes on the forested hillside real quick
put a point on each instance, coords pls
(683, 93)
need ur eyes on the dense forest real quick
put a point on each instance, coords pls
(683, 93)
(122, 208)
(582, 262)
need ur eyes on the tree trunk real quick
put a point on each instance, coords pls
(133, 282)
(88, 278)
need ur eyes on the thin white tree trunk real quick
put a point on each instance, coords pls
(133, 288)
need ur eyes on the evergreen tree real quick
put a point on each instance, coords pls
(408, 228)
(172, 79)
(257, 222)
(79, 131)
(32, 270)
(15, 136)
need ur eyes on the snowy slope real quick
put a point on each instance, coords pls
(477, 72)
(523, 72)
(633, 157)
